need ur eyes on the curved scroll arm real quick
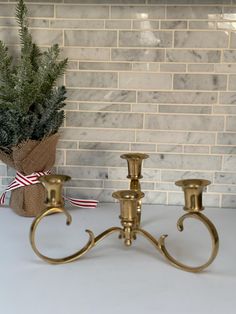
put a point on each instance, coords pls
(214, 237)
(62, 260)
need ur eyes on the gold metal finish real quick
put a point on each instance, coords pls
(135, 161)
(129, 209)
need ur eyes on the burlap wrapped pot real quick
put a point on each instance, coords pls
(27, 158)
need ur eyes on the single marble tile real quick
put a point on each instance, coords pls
(34, 10)
(202, 24)
(181, 161)
(232, 81)
(143, 147)
(229, 56)
(118, 24)
(3, 170)
(222, 188)
(224, 109)
(104, 146)
(113, 66)
(82, 11)
(228, 98)
(44, 37)
(93, 158)
(145, 81)
(225, 177)
(172, 176)
(174, 137)
(72, 65)
(184, 122)
(145, 24)
(231, 123)
(226, 25)
(47, 37)
(228, 201)
(177, 97)
(233, 40)
(226, 138)
(155, 197)
(137, 12)
(161, 186)
(11, 172)
(91, 79)
(8, 21)
(200, 81)
(96, 54)
(151, 55)
(146, 67)
(185, 109)
(225, 68)
(174, 24)
(223, 150)
(145, 39)
(201, 39)
(118, 173)
(194, 12)
(116, 185)
(147, 186)
(93, 134)
(104, 107)
(172, 67)
(40, 10)
(144, 108)
(82, 24)
(229, 162)
(9, 36)
(167, 148)
(193, 55)
(206, 67)
(196, 149)
(70, 105)
(67, 144)
(84, 172)
(90, 38)
(40, 23)
(60, 157)
(101, 95)
(104, 120)
(84, 183)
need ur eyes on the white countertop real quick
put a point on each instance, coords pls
(112, 278)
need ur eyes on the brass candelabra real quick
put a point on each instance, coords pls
(130, 214)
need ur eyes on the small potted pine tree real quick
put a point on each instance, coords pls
(30, 114)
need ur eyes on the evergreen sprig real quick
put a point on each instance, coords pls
(30, 102)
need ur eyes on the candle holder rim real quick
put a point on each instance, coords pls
(134, 156)
(192, 183)
(128, 195)
(50, 177)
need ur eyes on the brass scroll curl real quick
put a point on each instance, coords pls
(214, 237)
(63, 260)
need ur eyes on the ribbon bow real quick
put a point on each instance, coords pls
(21, 180)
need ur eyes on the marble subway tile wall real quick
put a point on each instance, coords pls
(154, 76)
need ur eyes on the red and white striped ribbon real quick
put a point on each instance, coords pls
(25, 180)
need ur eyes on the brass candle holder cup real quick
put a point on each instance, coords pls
(130, 214)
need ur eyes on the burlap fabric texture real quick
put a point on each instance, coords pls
(28, 157)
